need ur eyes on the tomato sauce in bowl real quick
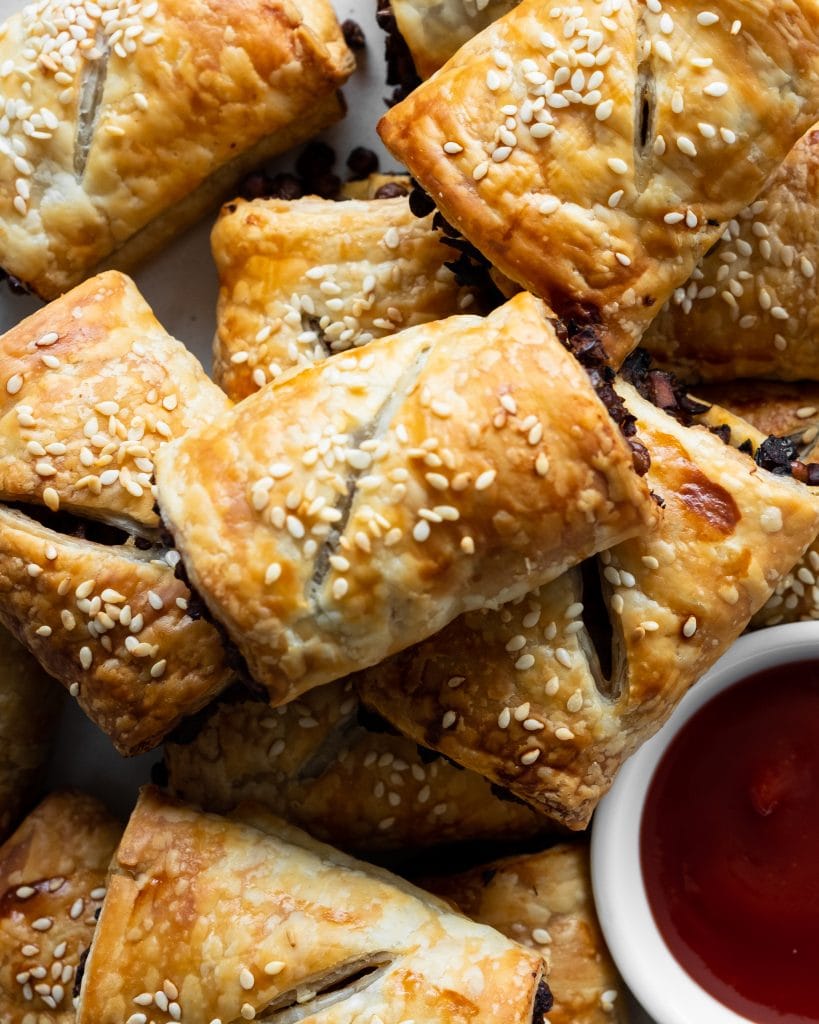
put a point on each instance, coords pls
(729, 846)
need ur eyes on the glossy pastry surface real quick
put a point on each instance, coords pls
(114, 126)
(279, 927)
(52, 883)
(559, 688)
(362, 503)
(593, 151)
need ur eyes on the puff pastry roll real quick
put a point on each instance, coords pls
(112, 623)
(364, 502)
(316, 763)
(544, 900)
(593, 151)
(29, 708)
(125, 129)
(559, 688)
(52, 882)
(279, 927)
(90, 386)
(303, 279)
(750, 308)
(435, 29)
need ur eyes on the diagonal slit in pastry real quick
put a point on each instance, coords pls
(645, 105)
(370, 432)
(600, 640)
(89, 105)
(319, 992)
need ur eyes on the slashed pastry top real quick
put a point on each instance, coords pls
(279, 927)
(561, 687)
(435, 29)
(327, 767)
(29, 708)
(112, 623)
(52, 882)
(750, 308)
(115, 113)
(360, 504)
(303, 279)
(594, 150)
(544, 900)
(90, 386)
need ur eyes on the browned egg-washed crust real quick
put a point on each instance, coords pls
(303, 279)
(29, 709)
(791, 409)
(673, 122)
(150, 120)
(90, 387)
(312, 762)
(52, 884)
(272, 919)
(751, 308)
(359, 505)
(144, 662)
(533, 710)
(544, 900)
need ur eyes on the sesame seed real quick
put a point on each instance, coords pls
(541, 936)
(449, 719)
(485, 480)
(529, 757)
(274, 967)
(533, 725)
(716, 89)
(617, 165)
(685, 145)
(690, 627)
(246, 979)
(525, 661)
(42, 924)
(706, 18)
(564, 734)
(452, 148)
(504, 718)
(480, 171)
(24, 892)
(85, 657)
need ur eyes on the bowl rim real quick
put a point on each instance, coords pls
(657, 980)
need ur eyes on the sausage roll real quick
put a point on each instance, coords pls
(123, 125)
(318, 763)
(435, 29)
(751, 308)
(544, 900)
(52, 881)
(361, 504)
(280, 928)
(113, 624)
(593, 151)
(90, 386)
(29, 708)
(560, 687)
(300, 280)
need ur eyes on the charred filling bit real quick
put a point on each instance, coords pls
(544, 1001)
(580, 332)
(661, 388)
(353, 34)
(471, 268)
(80, 971)
(401, 71)
(780, 455)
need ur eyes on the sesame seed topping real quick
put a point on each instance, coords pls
(529, 757)
(42, 924)
(617, 165)
(274, 967)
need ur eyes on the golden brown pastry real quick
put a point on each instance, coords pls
(303, 279)
(30, 704)
(279, 927)
(123, 125)
(544, 900)
(90, 387)
(435, 29)
(52, 882)
(113, 624)
(319, 764)
(773, 407)
(750, 308)
(561, 687)
(359, 505)
(594, 151)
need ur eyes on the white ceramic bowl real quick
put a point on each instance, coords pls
(661, 985)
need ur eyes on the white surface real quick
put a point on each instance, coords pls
(181, 286)
(622, 905)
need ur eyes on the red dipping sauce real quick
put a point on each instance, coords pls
(729, 846)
